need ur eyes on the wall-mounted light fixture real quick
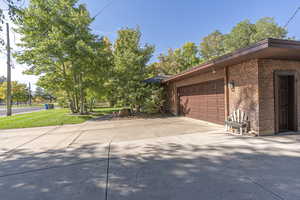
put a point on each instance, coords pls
(213, 71)
(231, 84)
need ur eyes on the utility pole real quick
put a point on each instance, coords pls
(8, 95)
(29, 93)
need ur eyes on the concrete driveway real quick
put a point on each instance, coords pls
(167, 158)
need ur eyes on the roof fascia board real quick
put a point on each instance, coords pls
(240, 52)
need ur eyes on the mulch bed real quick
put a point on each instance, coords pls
(135, 116)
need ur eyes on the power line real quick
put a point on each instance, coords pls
(106, 5)
(292, 17)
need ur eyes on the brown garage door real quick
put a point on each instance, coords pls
(204, 101)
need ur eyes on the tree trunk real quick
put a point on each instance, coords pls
(82, 109)
(75, 103)
(75, 90)
(91, 104)
(71, 103)
(75, 96)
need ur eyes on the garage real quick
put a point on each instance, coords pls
(204, 101)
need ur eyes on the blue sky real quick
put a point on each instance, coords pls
(171, 23)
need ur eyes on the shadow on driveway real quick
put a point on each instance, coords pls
(165, 168)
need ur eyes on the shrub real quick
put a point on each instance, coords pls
(62, 102)
(154, 99)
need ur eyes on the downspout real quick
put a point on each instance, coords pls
(226, 93)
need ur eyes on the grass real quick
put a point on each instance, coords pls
(49, 118)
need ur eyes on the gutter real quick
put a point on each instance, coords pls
(230, 56)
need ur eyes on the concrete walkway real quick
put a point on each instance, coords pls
(167, 158)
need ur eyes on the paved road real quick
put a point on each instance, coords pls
(161, 159)
(20, 110)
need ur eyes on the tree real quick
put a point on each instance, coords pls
(130, 60)
(246, 33)
(105, 90)
(2, 92)
(2, 79)
(268, 28)
(166, 64)
(41, 95)
(58, 45)
(187, 56)
(212, 46)
(177, 60)
(154, 99)
(19, 92)
(240, 36)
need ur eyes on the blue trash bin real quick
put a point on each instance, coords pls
(46, 106)
(50, 106)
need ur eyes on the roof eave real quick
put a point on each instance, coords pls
(240, 52)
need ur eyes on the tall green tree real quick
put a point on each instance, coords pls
(188, 56)
(267, 28)
(130, 61)
(177, 60)
(212, 45)
(58, 46)
(41, 95)
(240, 36)
(167, 63)
(245, 33)
(106, 91)
(20, 92)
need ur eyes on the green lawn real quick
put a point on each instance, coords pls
(49, 118)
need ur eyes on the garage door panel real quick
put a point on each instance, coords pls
(204, 101)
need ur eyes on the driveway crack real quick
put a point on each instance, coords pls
(8, 153)
(52, 167)
(75, 139)
(107, 170)
(277, 196)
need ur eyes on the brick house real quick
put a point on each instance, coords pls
(261, 80)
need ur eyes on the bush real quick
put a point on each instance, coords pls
(62, 102)
(154, 100)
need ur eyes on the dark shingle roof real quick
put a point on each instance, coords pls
(156, 79)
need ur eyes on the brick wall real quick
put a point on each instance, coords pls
(253, 92)
(266, 91)
(245, 94)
